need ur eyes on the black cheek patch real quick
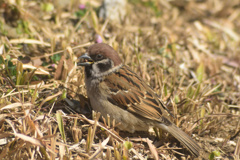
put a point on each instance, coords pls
(103, 67)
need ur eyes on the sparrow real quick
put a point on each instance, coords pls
(115, 90)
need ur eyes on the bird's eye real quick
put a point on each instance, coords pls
(99, 56)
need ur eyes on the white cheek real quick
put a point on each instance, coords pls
(95, 69)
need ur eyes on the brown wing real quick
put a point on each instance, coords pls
(129, 92)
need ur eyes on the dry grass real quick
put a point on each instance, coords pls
(188, 51)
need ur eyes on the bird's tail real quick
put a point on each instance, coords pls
(182, 137)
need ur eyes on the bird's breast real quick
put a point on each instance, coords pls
(98, 93)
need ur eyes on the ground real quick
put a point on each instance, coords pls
(187, 51)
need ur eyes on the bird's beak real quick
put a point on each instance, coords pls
(85, 60)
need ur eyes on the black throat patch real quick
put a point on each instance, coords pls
(88, 71)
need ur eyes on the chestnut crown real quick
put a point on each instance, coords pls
(100, 51)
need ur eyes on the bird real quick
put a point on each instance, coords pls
(115, 90)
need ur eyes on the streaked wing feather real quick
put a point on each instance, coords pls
(129, 92)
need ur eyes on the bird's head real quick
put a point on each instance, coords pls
(99, 59)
